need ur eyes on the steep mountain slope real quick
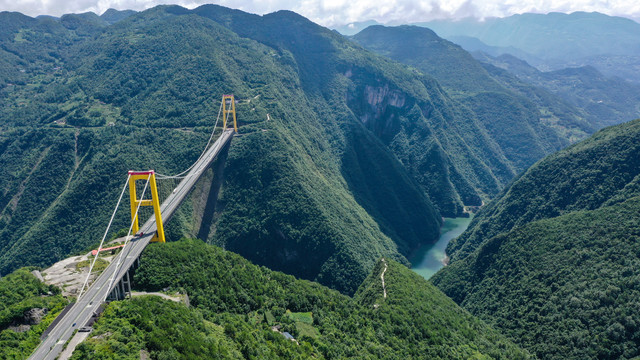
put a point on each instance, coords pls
(360, 158)
(553, 262)
(410, 113)
(525, 122)
(235, 304)
(606, 101)
(130, 91)
(599, 171)
(559, 40)
(27, 307)
(563, 288)
(28, 43)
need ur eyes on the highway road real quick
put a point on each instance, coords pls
(97, 293)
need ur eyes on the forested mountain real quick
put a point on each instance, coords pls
(345, 163)
(393, 112)
(113, 16)
(235, 304)
(237, 310)
(514, 115)
(27, 308)
(360, 159)
(556, 40)
(553, 262)
(142, 93)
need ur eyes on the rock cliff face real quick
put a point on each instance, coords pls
(420, 129)
(20, 328)
(360, 158)
(379, 99)
(378, 107)
(34, 316)
(29, 318)
(377, 96)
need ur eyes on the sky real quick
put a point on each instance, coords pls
(342, 12)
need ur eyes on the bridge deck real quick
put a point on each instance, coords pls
(83, 309)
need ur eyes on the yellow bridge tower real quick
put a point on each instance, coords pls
(155, 202)
(229, 108)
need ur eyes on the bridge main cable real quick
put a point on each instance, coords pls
(113, 215)
(215, 125)
(81, 312)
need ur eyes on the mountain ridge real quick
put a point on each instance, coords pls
(301, 192)
(125, 89)
(558, 40)
(504, 113)
(553, 257)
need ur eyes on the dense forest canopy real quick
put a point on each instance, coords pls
(553, 263)
(361, 158)
(350, 153)
(235, 304)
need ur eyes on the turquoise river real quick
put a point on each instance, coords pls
(429, 259)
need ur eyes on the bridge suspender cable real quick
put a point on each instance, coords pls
(160, 177)
(222, 107)
(126, 241)
(180, 175)
(225, 111)
(103, 238)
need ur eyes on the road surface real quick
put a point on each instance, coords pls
(84, 308)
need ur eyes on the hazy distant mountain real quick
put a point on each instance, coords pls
(112, 16)
(355, 27)
(606, 100)
(560, 40)
(472, 44)
(553, 35)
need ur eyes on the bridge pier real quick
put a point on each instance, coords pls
(126, 282)
(123, 287)
(99, 290)
(123, 292)
(114, 294)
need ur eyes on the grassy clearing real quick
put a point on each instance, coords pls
(303, 317)
(100, 265)
(306, 330)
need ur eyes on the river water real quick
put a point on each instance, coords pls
(429, 259)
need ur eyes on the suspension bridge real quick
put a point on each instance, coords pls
(115, 281)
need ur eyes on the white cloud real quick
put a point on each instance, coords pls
(338, 12)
